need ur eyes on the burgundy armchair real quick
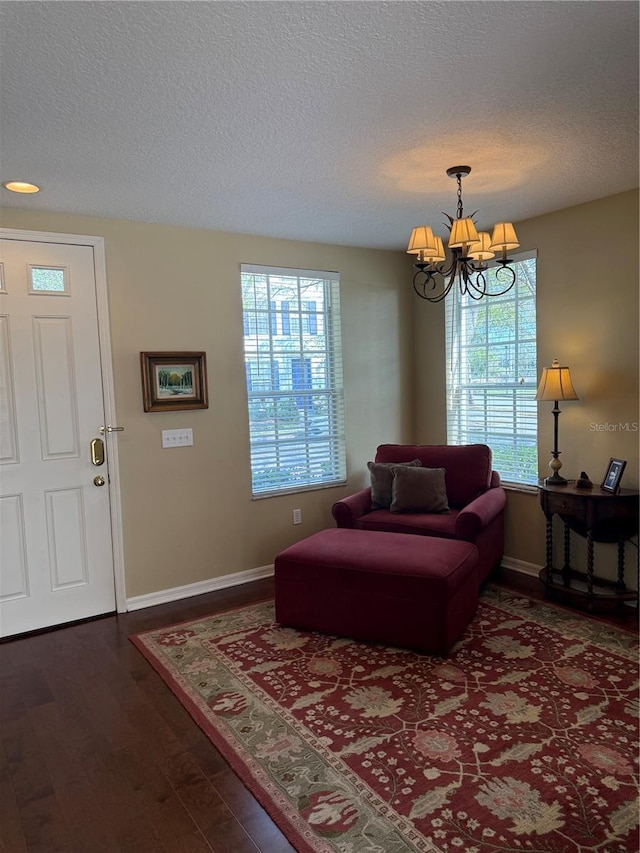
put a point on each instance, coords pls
(476, 501)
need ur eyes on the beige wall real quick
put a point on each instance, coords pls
(178, 289)
(187, 513)
(587, 312)
(429, 367)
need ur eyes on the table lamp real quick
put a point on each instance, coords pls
(555, 384)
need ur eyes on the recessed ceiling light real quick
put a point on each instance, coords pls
(21, 187)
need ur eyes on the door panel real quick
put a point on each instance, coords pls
(67, 538)
(56, 387)
(14, 567)
(8, 426)
(56, 556)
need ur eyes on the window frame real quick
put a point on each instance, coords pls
(297, 424)
(498, 429)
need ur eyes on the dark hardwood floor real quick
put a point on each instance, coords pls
(98, 755)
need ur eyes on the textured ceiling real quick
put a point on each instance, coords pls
(325, 121)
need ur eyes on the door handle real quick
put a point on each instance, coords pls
(98, 481)
(97, 451)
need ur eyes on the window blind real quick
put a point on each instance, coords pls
(293, 365)
(492, 373)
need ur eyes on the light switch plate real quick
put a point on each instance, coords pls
(177, 437)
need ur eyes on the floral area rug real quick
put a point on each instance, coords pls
(523, 739)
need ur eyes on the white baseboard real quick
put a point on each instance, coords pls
(164, 596)
(521, 566)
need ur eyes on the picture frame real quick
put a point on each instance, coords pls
(174, 381)
(613, 475)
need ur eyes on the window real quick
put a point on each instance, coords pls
(293, 364)
(48, 280)
(310, 318)
(257, 380)
(492, 373)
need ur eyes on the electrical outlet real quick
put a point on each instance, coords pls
(297, 516)
(177, 437)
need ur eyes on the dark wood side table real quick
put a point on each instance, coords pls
(598, 516)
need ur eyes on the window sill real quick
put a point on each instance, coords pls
(520, 487)
(298, 490)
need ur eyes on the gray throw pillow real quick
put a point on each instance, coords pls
(419, 490)
(381, 479)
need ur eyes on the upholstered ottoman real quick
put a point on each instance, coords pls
(418, 592)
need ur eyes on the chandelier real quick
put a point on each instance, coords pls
(470, 253)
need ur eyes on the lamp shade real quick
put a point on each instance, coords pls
(504, 236)
(481, 251)
(463, 232)
(555, 384)
(421, 239)
(434, 256)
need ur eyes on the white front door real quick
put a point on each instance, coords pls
(56, 555)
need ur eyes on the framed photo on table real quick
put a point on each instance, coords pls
(174, 381)
(613, 475)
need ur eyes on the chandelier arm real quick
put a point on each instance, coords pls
(443, 270)
(505, 276)
(478, 282)
(420, 287)
(479, 291)
(463, 278)
(444, 293)
(452, 273)
(467, 270)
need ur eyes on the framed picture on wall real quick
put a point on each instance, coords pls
(613, 475)
(174, 381)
